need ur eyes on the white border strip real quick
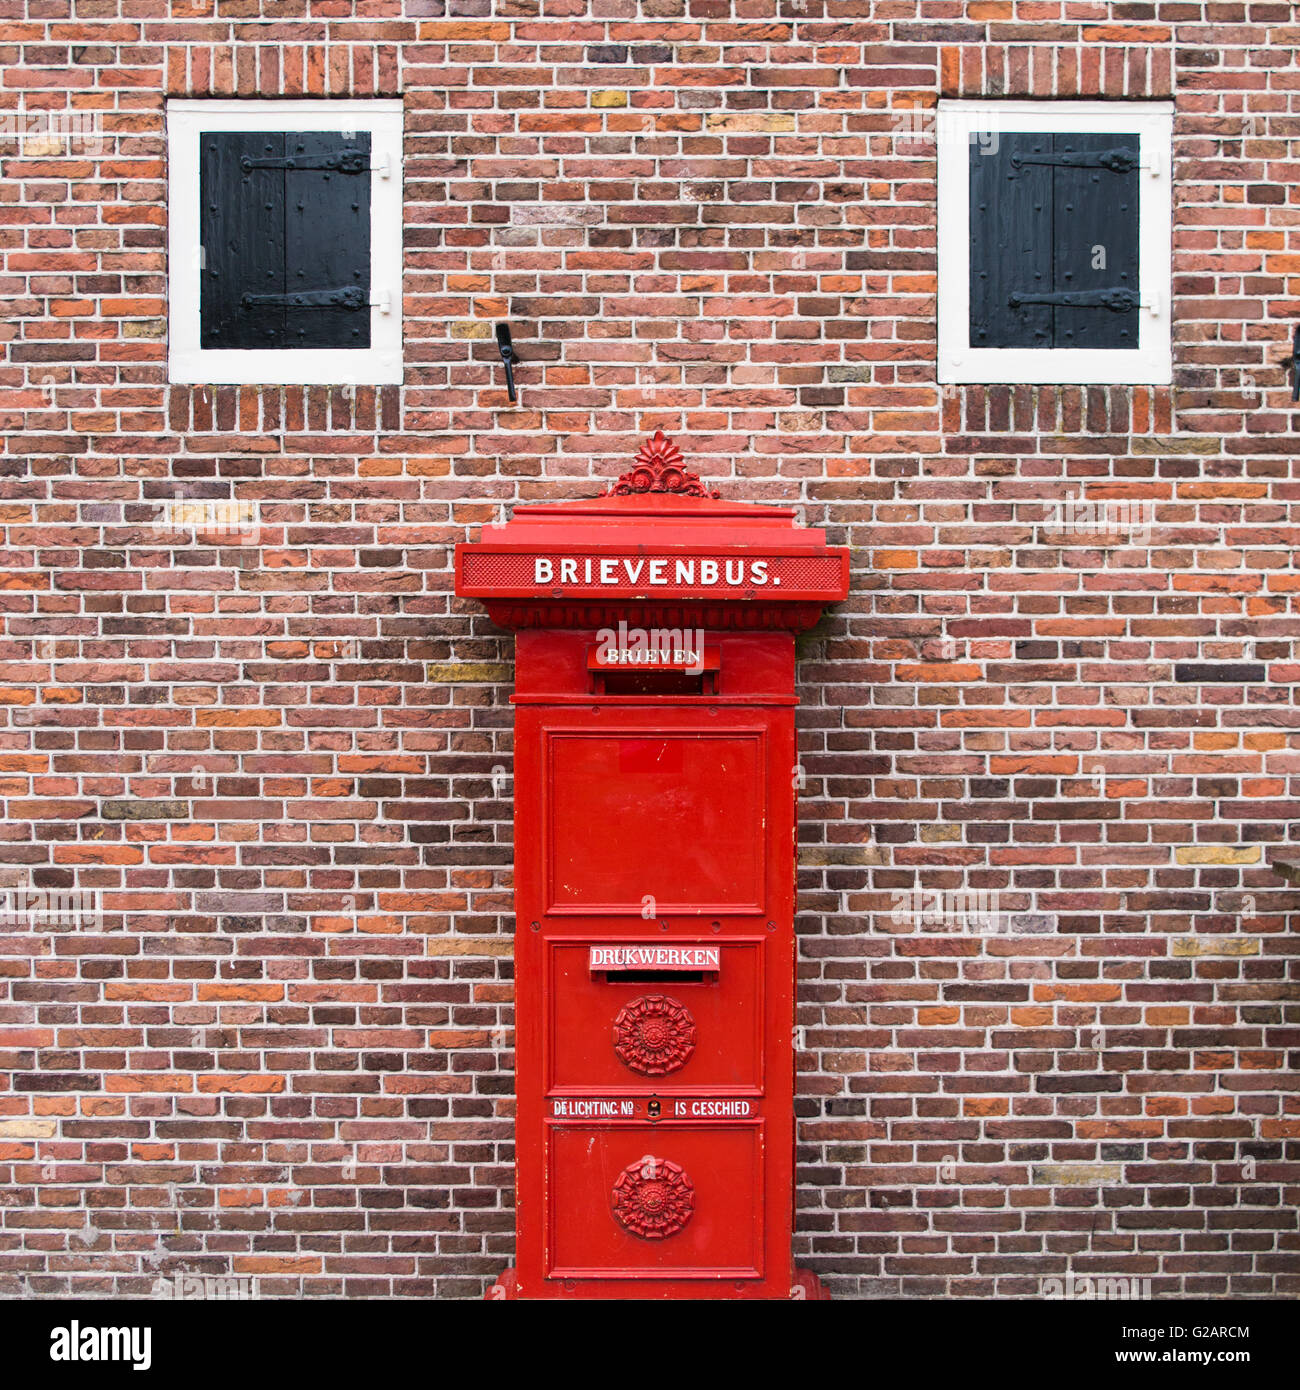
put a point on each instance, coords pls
(1152, 361)
(379, 364)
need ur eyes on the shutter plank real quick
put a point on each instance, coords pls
(1010, 243)
(327, 241)
(1095, 208)
(241, 224)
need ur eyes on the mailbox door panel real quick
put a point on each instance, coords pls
(656, 1031)
(665, 821)
(662, 1201)
(638, 825)
(635, 814)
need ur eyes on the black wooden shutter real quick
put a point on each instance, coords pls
(242, 231)
(1096, 207)
(1054, 241)
(285, 227)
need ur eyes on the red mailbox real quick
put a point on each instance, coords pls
(655, 776)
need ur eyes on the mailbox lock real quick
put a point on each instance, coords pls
(653, 1108)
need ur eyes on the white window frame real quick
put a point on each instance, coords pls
(381, 362)
(1152, 360)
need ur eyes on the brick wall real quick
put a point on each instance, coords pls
(241, 705)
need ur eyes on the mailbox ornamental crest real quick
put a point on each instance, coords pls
(654, 710)
(653, 1198)
(654, 1035)
(659, 467)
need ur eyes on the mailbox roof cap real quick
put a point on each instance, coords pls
(657, 538)
(656, 496)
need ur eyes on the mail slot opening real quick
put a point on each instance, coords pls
(686, 668)
(655, 682)
(660, 977)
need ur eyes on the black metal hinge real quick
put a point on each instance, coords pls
(1294, 362)
(1120, 160)
(1117, 300)
(507, 351)
(346, 162)
(351, 297)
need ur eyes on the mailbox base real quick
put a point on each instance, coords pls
(807, 1287)
(813, 1290)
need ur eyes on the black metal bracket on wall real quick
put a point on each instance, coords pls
(1294, 363)
(507, 350)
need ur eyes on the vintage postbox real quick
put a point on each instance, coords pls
(655, 781)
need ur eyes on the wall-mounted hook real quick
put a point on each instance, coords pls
(508, 357)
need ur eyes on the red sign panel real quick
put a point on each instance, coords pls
(556, 573)
(656, 958)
